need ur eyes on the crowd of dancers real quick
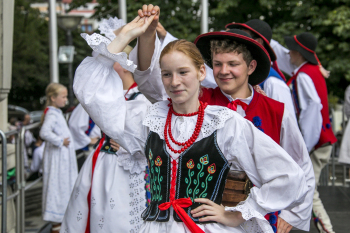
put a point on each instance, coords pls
(176, 118)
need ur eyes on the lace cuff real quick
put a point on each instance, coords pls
(134, 164)
(99, 44)
(108, 26)
(255, 221)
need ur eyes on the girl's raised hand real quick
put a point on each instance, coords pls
(129, 32)
(217, 213)
(147, 11)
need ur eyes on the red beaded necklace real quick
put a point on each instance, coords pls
(192, 139)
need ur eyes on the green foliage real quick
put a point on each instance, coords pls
(328, 20)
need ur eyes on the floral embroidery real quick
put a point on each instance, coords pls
(156, 178)
(212, 169)
(200, 184)
(204, 160)
(190, 164)
(150, 155)
(158, 161)
(258, 123)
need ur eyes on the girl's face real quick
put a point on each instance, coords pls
(181, 78)
(60, 100)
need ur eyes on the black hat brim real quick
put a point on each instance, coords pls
(258, 52)
(293, 45)
(267, 43)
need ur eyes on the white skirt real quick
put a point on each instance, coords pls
(117, 198)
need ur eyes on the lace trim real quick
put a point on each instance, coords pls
(214, 119)
(99, 44)
(134, 164)
(255, 222)
(108, 26)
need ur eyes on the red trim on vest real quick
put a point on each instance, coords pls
(313, 71)
(94, 159)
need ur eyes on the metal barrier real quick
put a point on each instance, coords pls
(4, 182)
(21, 186)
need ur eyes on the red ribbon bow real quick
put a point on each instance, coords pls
(178, 206)
(233, 105)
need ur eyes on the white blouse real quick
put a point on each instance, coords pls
(280, 183)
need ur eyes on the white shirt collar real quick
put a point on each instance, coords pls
(296, 70)
(246, 100)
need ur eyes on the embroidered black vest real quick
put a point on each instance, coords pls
(202, 171)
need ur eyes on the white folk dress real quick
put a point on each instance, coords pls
(118, 194)
(59, 165)
(99, 89)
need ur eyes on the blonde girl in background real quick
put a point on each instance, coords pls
(59, 160)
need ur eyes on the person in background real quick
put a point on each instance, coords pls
(59, 159)
(38, 151)
(310, 97)
(344, 154)
(84, 132)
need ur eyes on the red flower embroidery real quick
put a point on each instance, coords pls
(158, 161)
(212, 169)
(204, 160)
(190, 164)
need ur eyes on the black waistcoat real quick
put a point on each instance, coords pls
(202, 171)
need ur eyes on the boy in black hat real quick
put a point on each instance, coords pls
(240, 62)
(309, 92)
(274, 85)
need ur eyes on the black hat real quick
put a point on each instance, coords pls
(259, 27)
(257, 50)
(305, 43)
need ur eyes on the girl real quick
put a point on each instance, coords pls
(59, 160)
(189, 146)
(109, 195)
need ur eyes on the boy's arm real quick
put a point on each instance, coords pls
(310, 118)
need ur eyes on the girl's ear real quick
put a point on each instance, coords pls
(202, 73)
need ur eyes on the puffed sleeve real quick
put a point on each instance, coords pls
(99, 89)
(48, 129)
(149, 81)
(279, 182)
(293, 143)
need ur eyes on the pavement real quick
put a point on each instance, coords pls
(335, 199)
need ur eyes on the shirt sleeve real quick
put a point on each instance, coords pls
(293, 143)
(99, 89)
(78, 124)
(47, 131)
(283, 58)
(209, 81)
(310, 118)
(167, 39)
(149, 81)
(279, 181)
(278, 90)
